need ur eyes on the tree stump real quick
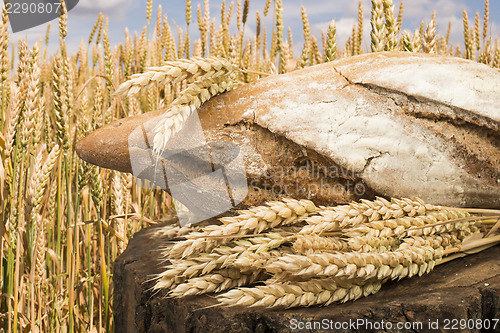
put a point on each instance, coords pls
(463, 289)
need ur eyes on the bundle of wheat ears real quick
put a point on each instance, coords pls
(291, 253)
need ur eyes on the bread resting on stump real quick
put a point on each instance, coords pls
(391, 124)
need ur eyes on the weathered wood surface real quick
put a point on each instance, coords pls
(466, 288)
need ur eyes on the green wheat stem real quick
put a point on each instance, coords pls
(3, 106)
(152, 204)
(70, 253)
(59, 213)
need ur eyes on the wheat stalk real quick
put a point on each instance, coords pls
(217, 281)
(96, 186)
(59, 105)
(378, 28)
(467, 38)
(405, 225)
(315, 53)
(331, 37)
(496, 61)
(306, 244)
(94, 28)
(191, 98)
(476, 33)
(407, 42)
(430, 36)
(220, 258)
(399, 20)
(393, 240)
(32, 106)
(119, 206)
(100, 19)
(173, 231)
(4, 45)
(251, 260)
(176, 71)
(225, 19)
(314, 292)
(23, 72)
(390, 25)
(13, 121)
(254, 220)
(370, 243)
(417, 41)
(38, 184)
(39, 251)
(359, 37)
(149, 10)
(362, 265)
(356, 213)
(486, 18)
(266, 7)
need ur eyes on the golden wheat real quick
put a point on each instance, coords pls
(378, 28)
(64, 222)
(254, 220)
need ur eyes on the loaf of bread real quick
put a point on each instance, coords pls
(390, 124)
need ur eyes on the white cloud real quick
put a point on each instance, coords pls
(116, 9)
(320, 12)
(321, 7)
(344, 29)
(422, 10)
(495, 29)
(101, 5)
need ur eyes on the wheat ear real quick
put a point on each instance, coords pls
(390, 25)
(430, 36)
(32, 105)
(361, 265)
(378, 28)
(215, 282)
(486, 18)
(331, 42)
(402, 226)
(12, 122)
(407, 42)
(254, 220)
(173, 72)
(220, 258)
(496, 61)
(467, 38)
(40, 178)
(306, 244)
(331, 218)
(288, 295)
(4, 45)
(190, 99)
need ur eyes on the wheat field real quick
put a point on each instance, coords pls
(63, 221)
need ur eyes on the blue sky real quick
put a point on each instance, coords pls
(131, 14)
